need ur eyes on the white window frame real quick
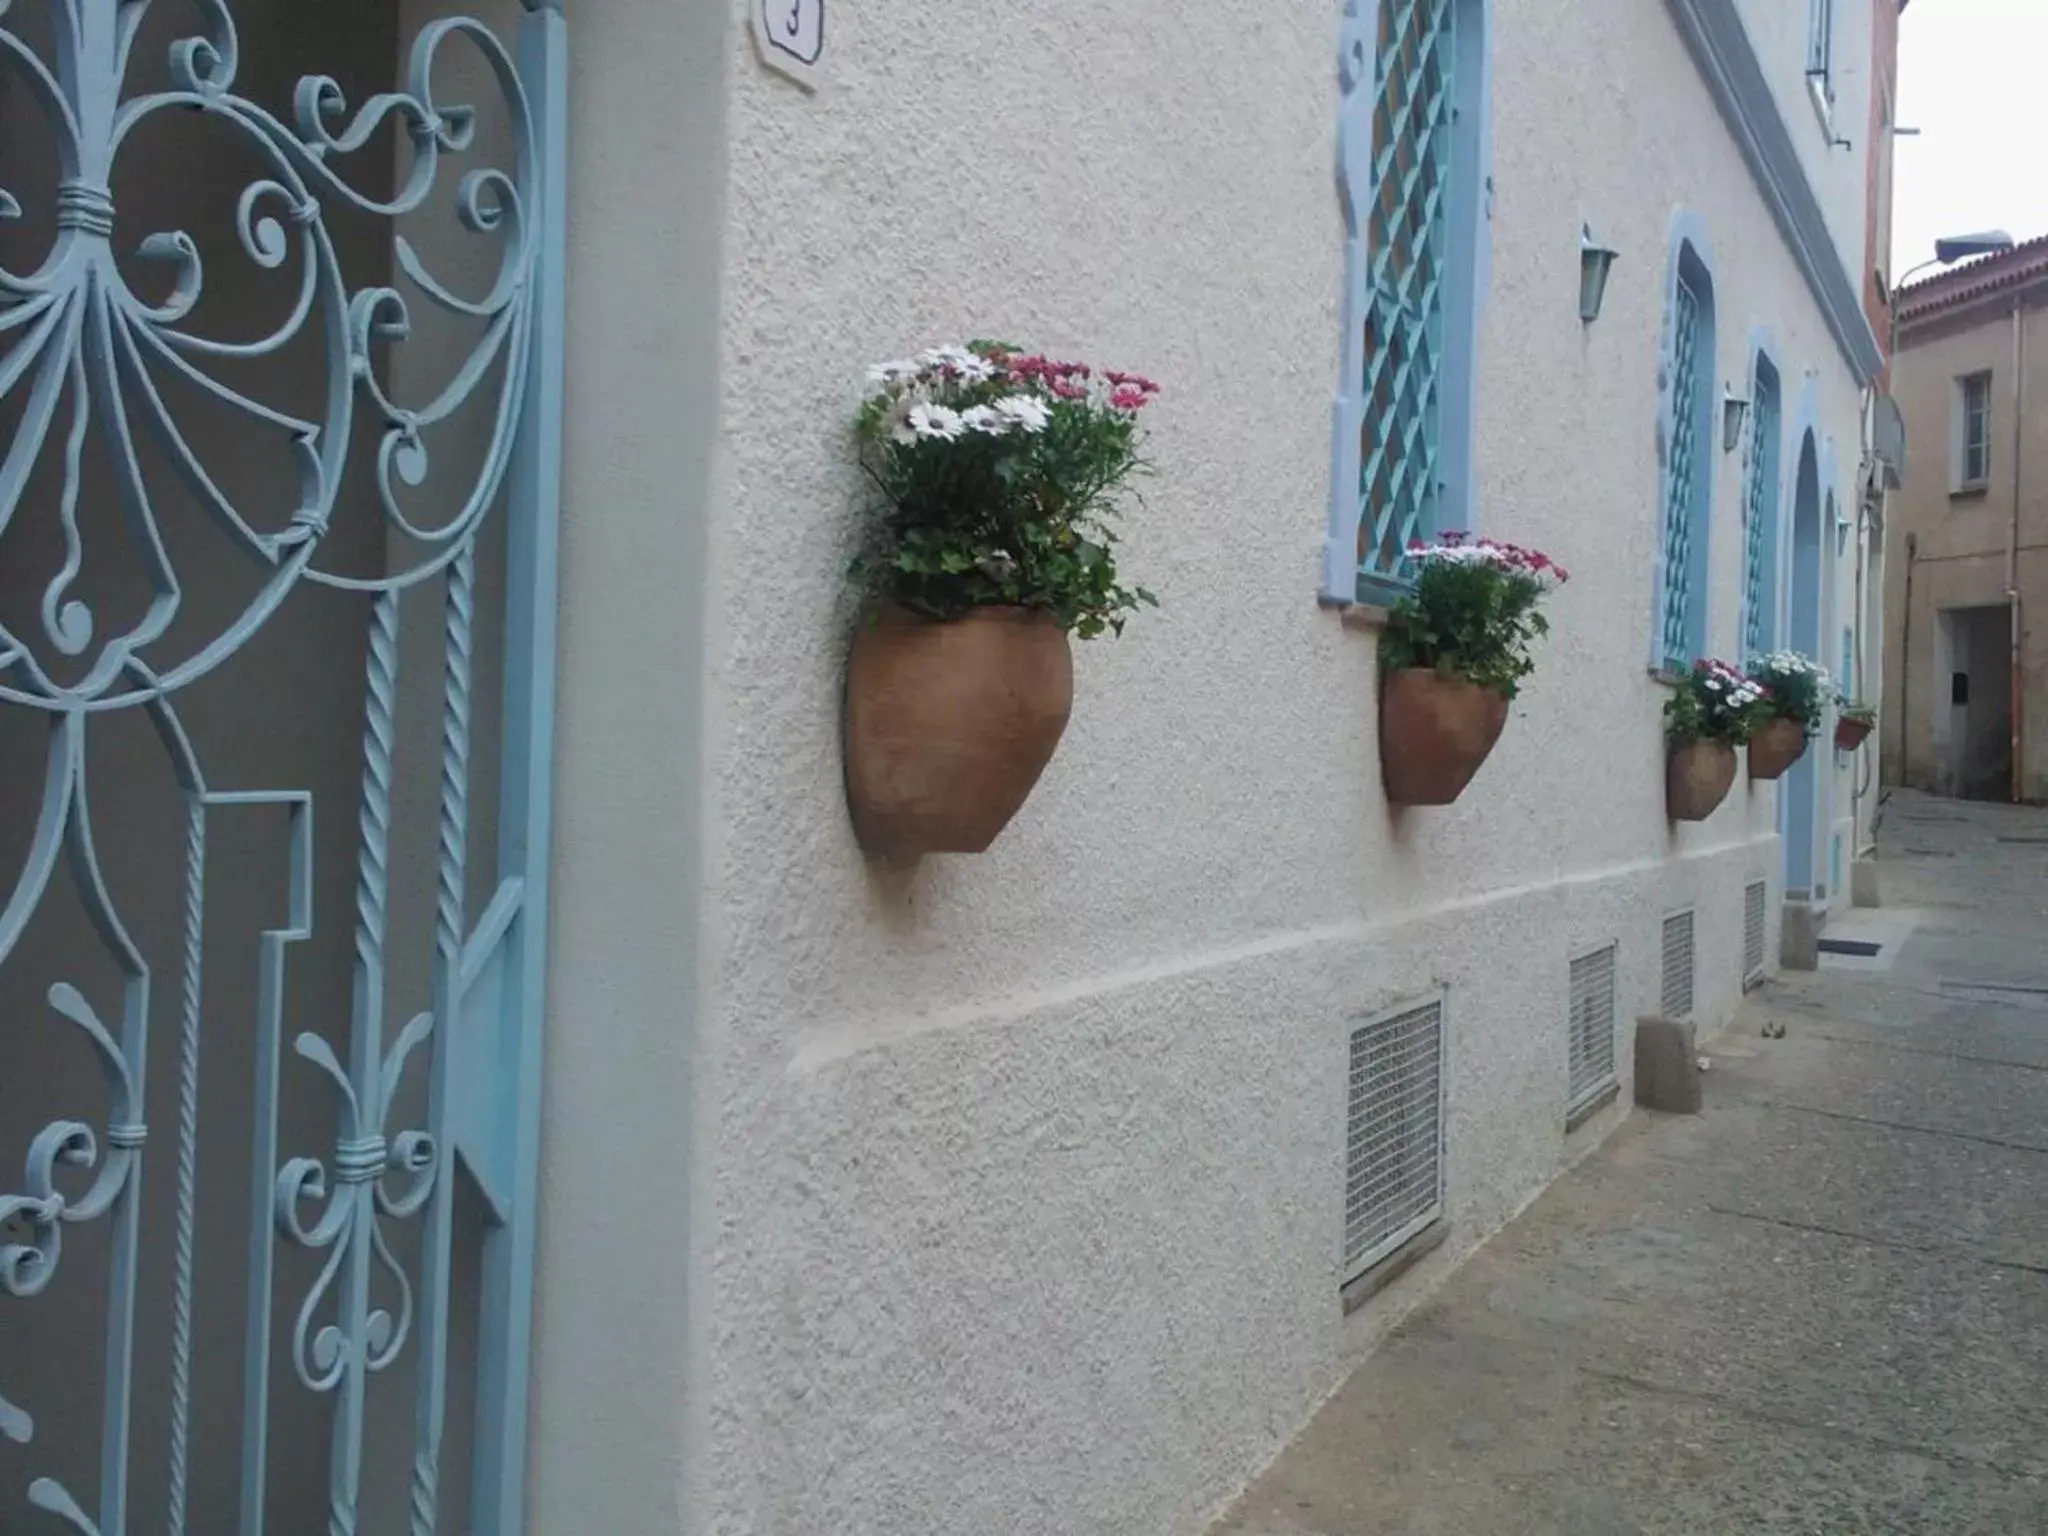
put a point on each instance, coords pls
(1820, 56)
(1960, 480)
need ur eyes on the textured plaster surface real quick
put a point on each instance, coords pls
(1817, 1307)
(1017, 1177)
(1778, 31)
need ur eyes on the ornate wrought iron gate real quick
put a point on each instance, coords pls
(396, 1243)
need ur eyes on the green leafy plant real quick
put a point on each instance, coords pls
(1714, 702)
(1796, 688)
(997, 476)
(1472, 612)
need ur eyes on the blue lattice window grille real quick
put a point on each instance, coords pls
(1688, 440)
(1411, 177)
(1760, 513)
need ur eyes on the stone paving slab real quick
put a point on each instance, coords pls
(1819, 1307)
(1956, 1096)
(1973, 1198)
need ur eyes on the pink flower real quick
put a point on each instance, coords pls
(1132, 381)
(1129, 399)
(1066, 389)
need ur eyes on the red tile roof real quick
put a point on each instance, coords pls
(2025, 265)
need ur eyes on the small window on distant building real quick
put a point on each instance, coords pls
(1973, 432)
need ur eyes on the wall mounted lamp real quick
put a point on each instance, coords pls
(1734, 408)
(1595, 262)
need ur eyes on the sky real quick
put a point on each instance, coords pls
(1973, 78)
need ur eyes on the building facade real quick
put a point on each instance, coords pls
(569, 1127)
(1967, 711)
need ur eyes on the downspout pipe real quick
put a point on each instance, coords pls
(1857, 781)
(1906, 666)
(2012, 548)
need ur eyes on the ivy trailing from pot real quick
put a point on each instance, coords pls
(1855, 722)
(1454, 652)
(1712, 710)
(1795, 703)
(991, 538)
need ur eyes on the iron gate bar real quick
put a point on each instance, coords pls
(73, 329)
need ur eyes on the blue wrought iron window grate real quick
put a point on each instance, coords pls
(1686, 466)
(1760, 516)
(1400, 390)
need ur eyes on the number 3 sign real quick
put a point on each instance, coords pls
(790, 35)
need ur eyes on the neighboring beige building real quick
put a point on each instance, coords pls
(1966, 704)
(552, 1122)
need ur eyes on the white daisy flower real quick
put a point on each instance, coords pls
(1027, 412)
(934, 421)
(900, 430)
(985, 419)
(956, 362)
(882, 375)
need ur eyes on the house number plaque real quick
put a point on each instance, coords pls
(790, 35)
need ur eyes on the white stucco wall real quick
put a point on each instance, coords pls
(1002, 1193)
(1778, 31)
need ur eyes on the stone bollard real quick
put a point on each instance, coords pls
(1799, 937)
(1667, 1066)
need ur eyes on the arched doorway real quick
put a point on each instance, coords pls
(1799, 801)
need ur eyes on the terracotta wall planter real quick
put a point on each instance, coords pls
(1697, 779)
(1849, 734)
(1435, 731)
(949, 724)
(1776, 747)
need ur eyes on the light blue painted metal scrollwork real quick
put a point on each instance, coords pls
(86, 346)
(99, 339)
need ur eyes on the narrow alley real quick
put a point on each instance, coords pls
(1821, 1306)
